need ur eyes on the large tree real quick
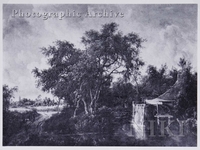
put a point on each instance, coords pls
(78, 76)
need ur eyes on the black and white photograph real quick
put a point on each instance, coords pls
(99, 74)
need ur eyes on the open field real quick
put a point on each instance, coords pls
(38, 108)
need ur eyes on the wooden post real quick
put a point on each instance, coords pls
(158, 120)
(157, 108)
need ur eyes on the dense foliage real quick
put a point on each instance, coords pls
(99, 107)
(79, 76)
(15, 123)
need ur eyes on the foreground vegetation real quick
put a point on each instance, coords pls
(99, 109)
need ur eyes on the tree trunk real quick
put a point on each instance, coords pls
(85, 106)
(77, 106)
(92, 102)
(94, 98)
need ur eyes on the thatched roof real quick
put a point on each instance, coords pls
(158, 101)
(177, 89)
(173, 93)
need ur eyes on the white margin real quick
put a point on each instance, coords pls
(93, 2)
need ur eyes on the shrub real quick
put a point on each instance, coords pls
(15, 122)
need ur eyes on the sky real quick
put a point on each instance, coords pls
(170, 32)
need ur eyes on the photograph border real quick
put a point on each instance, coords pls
(93, 2)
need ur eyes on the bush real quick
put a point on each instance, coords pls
(83, 129)
(60, 123)
(63, 123)
(12, 124)
(15, 122)
(101, 122)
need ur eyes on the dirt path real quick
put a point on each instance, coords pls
(38, 123)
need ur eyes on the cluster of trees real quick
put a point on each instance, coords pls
(79, 76)
(86, 80)
(37, 102)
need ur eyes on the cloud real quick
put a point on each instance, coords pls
(168, 46)
(40, 65)
(26, 82)
(12, 25)
(170, 30)
(17, 25)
